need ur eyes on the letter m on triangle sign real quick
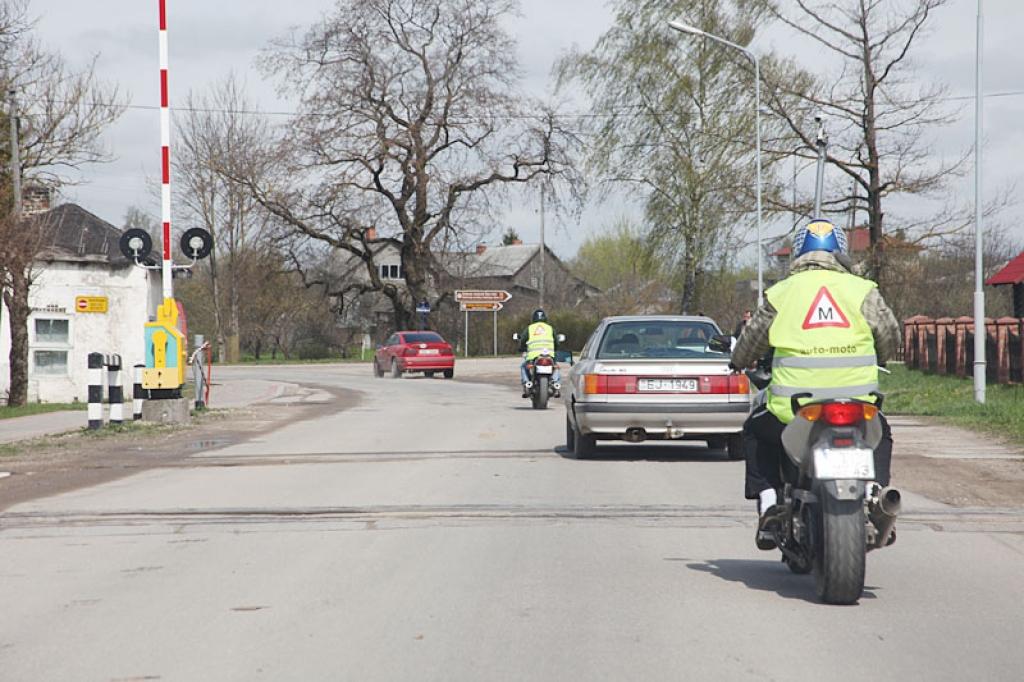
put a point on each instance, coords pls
(825, 312)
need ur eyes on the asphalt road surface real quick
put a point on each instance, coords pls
(434, 531)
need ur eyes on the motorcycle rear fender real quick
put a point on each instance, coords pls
(800, 434)
(844, 490)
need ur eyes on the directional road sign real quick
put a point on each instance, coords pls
(482, 296)
(474, 307)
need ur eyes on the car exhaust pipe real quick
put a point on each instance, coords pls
(635, 435)
(882, 512)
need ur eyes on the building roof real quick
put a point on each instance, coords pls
(78, 235)
(501, 261)
(1012, 273)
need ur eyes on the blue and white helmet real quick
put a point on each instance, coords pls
(819, 235)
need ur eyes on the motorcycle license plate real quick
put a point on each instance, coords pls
(836, 463)
(667, 385)
(545, 369)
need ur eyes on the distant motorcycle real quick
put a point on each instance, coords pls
(540, 376)
(829, 518)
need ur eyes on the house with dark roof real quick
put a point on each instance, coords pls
(86, 298)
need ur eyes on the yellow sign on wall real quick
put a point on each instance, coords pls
(91, 304)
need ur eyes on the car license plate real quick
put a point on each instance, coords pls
(835, 463)
(667, 385)
(545, 369)
(429, 351)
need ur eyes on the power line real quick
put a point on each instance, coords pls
(624, 110)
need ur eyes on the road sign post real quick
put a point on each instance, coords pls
(479, 301)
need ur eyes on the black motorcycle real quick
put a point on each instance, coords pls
(829, 515)
(540, 371)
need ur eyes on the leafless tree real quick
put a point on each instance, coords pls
(879, 113)
(218, 139)
(62, 113)
(410, 124)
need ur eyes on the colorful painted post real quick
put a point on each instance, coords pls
(95, 390)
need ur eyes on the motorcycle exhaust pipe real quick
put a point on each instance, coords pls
(528, 385)
(635, 435)
(882, 512)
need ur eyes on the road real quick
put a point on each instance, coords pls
(433, 531)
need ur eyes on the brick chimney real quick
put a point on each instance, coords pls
(517, 242)
(36, 198)
(480, 248)
(371, 234)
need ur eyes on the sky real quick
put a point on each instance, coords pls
(210, 39)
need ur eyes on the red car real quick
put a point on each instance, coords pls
(413, 351)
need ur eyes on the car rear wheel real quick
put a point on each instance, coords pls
(396, 371)
(377, 371)
(449, 373)
(578, 445)
(734, 447)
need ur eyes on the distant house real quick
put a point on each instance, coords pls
(80, 269)
(515, 268)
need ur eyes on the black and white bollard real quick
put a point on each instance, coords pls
(115, 391)
(138, 394)
(95, 390)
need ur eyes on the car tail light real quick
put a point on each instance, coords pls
(839, 414)
(603, 384)
(409, 351)
(719, 384)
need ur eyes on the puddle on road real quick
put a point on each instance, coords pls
(210, 443)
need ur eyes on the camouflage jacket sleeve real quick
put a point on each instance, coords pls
(884, 326)
(753, 342)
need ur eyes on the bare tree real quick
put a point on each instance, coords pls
(409, 123)
(219, 138)
(61, 117)
(878, 111)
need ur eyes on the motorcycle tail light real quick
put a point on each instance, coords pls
(543, 360)
(842, 414)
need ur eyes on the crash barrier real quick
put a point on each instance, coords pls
(946, 346)
(115, 390)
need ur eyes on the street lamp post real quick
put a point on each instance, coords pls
(686, 28)
(980, 332)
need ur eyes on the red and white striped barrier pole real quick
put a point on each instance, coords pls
(165, 154)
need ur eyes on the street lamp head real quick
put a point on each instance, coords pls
(685, 28)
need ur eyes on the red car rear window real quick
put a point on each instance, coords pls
(423, 337)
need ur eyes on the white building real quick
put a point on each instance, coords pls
(78, 273)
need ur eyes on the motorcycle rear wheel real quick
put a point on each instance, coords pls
(540, 393)
(840, 549)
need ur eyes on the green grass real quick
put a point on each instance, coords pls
(38, 408)
(911, 392)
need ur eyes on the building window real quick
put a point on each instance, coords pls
(51, 345)
(392, 272)
(50, 362)
(52, 331)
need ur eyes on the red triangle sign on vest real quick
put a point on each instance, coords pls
(825, 312)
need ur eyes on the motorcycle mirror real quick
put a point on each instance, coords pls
(196, 243)
(560, 338)
(720, 343)
(135, 244)
(515, 336)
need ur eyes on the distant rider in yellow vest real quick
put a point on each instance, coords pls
(827, 331)
(538, 338)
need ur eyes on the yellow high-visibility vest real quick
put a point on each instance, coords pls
(823, 344)
(540, 338)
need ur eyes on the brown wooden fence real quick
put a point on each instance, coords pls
(946, 346)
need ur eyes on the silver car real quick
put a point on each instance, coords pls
(655, 377)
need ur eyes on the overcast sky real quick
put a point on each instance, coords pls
(209, 39)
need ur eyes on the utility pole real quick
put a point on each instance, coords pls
(542, 259)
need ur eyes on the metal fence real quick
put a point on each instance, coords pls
(946, 346)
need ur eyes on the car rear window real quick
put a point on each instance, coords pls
(657, 339)
(423, 337)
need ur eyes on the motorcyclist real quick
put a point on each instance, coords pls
(538, 337)
(827, 330)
